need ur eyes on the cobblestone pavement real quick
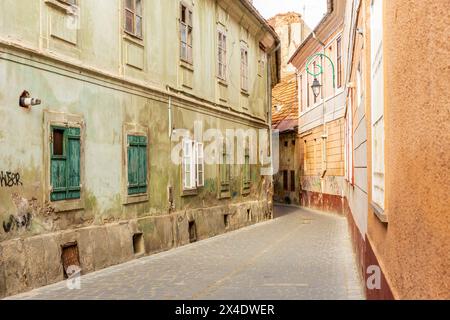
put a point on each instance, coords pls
(299, 255)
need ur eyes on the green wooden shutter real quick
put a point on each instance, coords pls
(65, 168)
(137, 165)
(73, 163)
(58, 169)
(143, 165)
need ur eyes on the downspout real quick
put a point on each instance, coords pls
(269, 97)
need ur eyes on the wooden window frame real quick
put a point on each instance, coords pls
(62, 120)
(244, 67)
(196, 166)
(187, 27)
(66, 158)
(133, 129)
(136, 15)
(222, 55)
(142, 144)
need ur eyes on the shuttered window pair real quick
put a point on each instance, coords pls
(193, 164)
(137, 165)
(65, 163)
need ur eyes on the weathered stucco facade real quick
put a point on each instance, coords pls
(108, 85)
(321, 124)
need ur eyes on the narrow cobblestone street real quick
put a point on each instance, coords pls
(299, 255)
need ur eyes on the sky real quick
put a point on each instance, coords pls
(314, 9)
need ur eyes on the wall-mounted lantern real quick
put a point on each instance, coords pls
(316, 86)
(26, 101)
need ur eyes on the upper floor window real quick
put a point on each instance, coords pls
(186, 33)
(339, 62)
(133, 17)
(244, 67)
(222, 55)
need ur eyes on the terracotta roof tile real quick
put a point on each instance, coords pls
(284, 94)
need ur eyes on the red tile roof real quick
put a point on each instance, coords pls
(284, 94)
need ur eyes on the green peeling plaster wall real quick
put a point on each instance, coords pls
(92, 78)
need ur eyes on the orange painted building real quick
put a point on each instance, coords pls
(397, 190)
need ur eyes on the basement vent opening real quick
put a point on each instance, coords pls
(70, 259)
(138, 243)
(226, 220)
(249, 215)
(192, 231)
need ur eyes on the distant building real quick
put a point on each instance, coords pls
(292, 30)
(321, 116)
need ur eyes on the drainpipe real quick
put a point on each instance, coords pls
(170, 113)
(269, 96)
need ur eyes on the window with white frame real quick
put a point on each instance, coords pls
(193, 164)
(186, 24)
(377, 104)
(222, 55)
(244, 67)
(133, 17)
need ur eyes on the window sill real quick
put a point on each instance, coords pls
(222, 82)
(132, 38)
(245, 93)
(189, 193)
(380, 213)
(245, 192)
(67, 205)
(132, 199)
(62, 6)
(187, 65)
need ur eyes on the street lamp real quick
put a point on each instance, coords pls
(316, 87)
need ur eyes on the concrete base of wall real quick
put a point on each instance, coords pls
(323, 202)
(358, 241)
(33, 262)
(366, 258)
(384, 292)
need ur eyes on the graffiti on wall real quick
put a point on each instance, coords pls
(25, 211)
(10, 179)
